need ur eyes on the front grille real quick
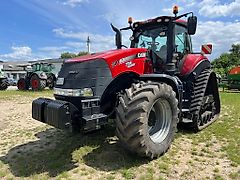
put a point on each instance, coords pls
(94, 74)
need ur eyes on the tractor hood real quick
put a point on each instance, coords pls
(97, 70)
(109, 55)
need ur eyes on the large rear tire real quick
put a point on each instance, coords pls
(3, 84)
(22, 84)
(147, 116)
(37, 84)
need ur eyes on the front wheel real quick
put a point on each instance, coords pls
(147, 116)
(22, 84)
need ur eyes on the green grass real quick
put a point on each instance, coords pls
(13, 94)
(228, 126)
(234, 175)
(99, 153)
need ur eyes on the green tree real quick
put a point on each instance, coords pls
(235, 49)
(82, 53)
(226, 61)
(68, 55)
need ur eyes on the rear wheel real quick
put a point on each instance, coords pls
(147, 116)
(37, 83)
(22, 84)
(3, 84)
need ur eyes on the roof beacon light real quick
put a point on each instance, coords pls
(130, 20)
(175, 10)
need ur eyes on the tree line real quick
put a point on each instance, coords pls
(226, 61)
(67, 55)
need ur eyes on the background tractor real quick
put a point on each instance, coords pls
(232, 80)
(38, 77)
(3, 81)
(150, 87)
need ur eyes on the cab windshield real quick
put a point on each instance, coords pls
(36, 67)
(155, 39)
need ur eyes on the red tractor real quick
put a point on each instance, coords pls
(150, 87)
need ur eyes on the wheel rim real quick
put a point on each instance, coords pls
(21, 85)
(159, 120)
(35, 83)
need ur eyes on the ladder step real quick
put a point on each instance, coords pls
(186, 120)
(185, 110)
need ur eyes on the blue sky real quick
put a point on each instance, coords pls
(37, 29)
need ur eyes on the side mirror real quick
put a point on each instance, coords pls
(192, 25)
(206, 49)
(118, 37)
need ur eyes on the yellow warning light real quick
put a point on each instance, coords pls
(130, 20)
(175, 10)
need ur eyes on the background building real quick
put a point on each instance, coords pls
(12, 69)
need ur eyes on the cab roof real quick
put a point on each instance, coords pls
(160, 19)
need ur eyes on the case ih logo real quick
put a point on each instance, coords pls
(127, 59)
(207, 49)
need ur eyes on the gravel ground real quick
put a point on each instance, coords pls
(31, 150)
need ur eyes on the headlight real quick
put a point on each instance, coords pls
(73, 92)
(86, 92)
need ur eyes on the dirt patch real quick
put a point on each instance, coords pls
(30, 149)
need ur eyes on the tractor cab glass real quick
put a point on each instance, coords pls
(154, 39)
(36, 67)
(46, 67)
(182, 40)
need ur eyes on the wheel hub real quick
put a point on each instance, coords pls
(159, 120)
(35, 83)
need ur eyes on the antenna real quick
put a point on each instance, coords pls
(88, 44)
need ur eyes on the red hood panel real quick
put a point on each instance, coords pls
(108, 55)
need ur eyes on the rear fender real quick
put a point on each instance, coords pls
(190, 62)
(192, 75)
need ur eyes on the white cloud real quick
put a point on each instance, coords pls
(82, 35)
(25, 53)
(213, 8)
(98, 42)
(167, 11)
(51, 51)
(221, 34)
(53, 48)
(188, 3)
(18, 53)
(75, 44)
(74, 3)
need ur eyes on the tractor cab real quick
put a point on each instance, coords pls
(156, 36)
(45, 67)
(167, 39)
